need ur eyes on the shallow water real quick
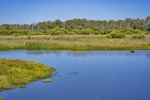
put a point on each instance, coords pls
(87, 75)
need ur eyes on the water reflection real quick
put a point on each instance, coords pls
(86, 75)
(127, 53)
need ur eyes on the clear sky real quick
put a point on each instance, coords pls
(30, 11)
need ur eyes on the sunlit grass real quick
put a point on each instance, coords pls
(72, 42)
(1, 98)
(18, 73)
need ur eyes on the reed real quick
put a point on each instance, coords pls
(72, 42)
(18, 73)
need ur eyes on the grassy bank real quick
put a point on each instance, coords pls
(72, 42)
(18, 73)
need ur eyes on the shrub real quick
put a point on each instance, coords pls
(77, 31)
(71, 33)
(138, 36)
(131, 31)
(18, 32)
(85, 32)
(58, 33)
(107, 31)
(102, 32)
(117, 34)
(4, 32)
(108, 36)
(147, 33)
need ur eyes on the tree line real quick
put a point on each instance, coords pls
(79, 27)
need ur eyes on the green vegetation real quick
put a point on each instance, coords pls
(1, 98)
(72, 42)
(77, 34)
(138, 36)
(18, 73)
(80, 27)
(116, 34)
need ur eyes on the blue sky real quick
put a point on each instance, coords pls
(30, 11)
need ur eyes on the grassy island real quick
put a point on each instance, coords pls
(18, 73)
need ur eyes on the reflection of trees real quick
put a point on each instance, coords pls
(34, 52)
(108, 53)
(42, 52)
(126, 53)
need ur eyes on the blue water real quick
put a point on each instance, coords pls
(101, 75)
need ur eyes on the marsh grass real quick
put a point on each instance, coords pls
(18, 73)
(72, 42)
(1, 98)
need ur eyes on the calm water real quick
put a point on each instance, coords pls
(87, 75)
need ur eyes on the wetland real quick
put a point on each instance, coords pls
(85, 75)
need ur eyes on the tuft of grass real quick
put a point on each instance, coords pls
(18, 73)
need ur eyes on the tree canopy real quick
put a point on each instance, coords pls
(78, 26)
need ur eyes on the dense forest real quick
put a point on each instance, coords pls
(79, 27)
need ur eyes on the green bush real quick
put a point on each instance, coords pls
(107, 31)
(102, 32)
(77, 31)
(131, 31)
(138, 36)
(18, 32)
(58, 33)
(108, 36)
(4, 32)
(117, 34)
(85, 32)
